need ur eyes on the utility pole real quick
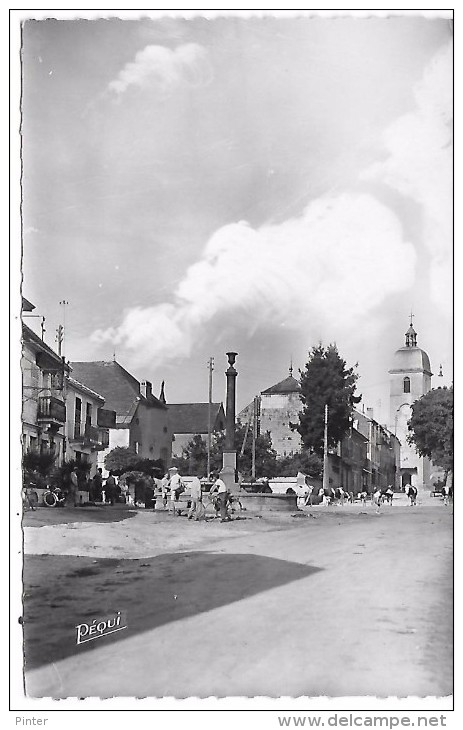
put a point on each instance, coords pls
(248, 423)
(63, 303)
(209, 425)
(325, 451)
(254, 437)
(59, 337)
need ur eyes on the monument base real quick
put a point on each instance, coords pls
(228, 472)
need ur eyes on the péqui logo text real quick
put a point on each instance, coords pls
(101, 627)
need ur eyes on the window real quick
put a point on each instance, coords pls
(88, 415)
(406, 385)
(77, 417)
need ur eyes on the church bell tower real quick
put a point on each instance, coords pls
(410, 378)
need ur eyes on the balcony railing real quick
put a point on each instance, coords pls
(91, 436)
(51, 410)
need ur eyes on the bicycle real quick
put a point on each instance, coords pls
(54, 497)
(212, 507)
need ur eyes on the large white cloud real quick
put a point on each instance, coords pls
(164, 68)
(419, 166)
(334, 263)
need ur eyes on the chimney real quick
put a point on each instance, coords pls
(162, 395)
(370, 413)
(145, 388)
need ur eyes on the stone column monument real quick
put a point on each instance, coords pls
(228, 473)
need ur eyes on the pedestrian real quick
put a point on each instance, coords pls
(445, 494)
(165, 489)
(377, 499)
(73, 488)
(110, 488)
(176, 487)
(363, 496)
(195, 492)
(220, 488)
(96, 486)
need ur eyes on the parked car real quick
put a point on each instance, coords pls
(299, 485)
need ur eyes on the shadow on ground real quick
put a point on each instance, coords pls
(63, 515)
(63, 591)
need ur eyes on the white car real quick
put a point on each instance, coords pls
(299, 485)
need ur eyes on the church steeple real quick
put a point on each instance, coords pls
(291, 368)
(410, 335)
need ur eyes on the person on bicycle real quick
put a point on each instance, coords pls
(220, 488)
(195, 492)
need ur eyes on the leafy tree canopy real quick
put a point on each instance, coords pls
(306, 462)
(326, 380)
(122, 459)
(37, 462)
(194, 457)
(431, 426)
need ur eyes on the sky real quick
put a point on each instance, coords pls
(255, 184)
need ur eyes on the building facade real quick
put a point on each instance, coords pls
(87, 424)
(410, 378)
(142, 422)
(277, 407)
(192, 419)
(43, 397)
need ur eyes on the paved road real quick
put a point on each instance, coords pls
(350, 603)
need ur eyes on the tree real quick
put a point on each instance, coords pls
(194, 456)
(431, 427)
(33, 461)
(61, 476)
(122, 459)
(306, 462)
(326, 380)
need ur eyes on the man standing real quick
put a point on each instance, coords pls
(73, 488)
(176, 486)
(195, 491)
(97, 486)
(220, 488)
(110, 488)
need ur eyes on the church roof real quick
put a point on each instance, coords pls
(411, 359)
(193, 417)
(288, 385)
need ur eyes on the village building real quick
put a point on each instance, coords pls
(60, 415)
(410, 379)
(367, 457)
(193, 419)
(87, 424)
(43, 405)
(275, 409)
(142, 422)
